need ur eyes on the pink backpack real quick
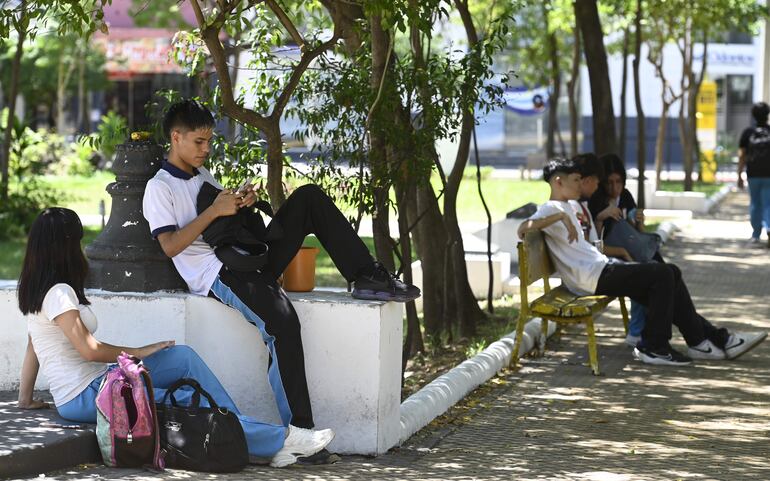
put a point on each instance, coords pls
(126, 421)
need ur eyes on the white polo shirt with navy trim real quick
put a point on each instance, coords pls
(169, 204)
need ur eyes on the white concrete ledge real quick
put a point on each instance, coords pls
(716, 199)
(478, 274)
(446, 390)
(666, 230)
(352, 354)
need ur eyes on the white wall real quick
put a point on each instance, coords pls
(352, 354)
(723, 59)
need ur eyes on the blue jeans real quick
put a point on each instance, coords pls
(168, 365)
(759, 208)
(229, 298)
(638, 318)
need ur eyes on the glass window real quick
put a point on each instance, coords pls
(739, 89)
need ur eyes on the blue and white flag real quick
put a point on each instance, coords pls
(525, 101)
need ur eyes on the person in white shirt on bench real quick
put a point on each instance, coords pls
(586, 271)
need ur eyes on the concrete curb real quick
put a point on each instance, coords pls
(713, 201)
(78, 448)
(666, 230)
(436, 398)
(39, 441)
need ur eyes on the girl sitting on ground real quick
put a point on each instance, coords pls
(61, 342)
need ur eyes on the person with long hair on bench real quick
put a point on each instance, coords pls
(585, 271)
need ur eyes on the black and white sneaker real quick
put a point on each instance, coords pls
(381, 285)
(739, 343)
(665, 356)
(706, 350)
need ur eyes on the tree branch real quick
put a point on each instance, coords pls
(230, 107)
(305, 60)
(287, 23)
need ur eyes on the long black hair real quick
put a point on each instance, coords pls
(53, 256)
(613, 164)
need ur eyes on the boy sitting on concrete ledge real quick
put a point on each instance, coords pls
(586, 271)
(170, 207)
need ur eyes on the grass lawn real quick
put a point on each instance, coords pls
(12, 253)
(82, 194)
(677, 186)
(501, 195)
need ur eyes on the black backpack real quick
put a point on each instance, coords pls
(759, 146)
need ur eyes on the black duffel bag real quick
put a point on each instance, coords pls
(196, 438)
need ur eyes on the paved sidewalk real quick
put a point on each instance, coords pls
(553, 420)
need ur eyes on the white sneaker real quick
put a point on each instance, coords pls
(755, 243)
(632, 340)
(740, 343)
(301, 442)
(706, 350)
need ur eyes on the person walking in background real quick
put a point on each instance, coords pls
(754, 156)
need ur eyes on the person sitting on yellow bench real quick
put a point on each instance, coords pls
(586, 271)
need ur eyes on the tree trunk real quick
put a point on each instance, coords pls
(693, 106)
(430, 241)
(641, 141)
(686, 89)
(571, 92)
(62, 81)
(553, 99)
(685, 141)
(660, 141)
(405, 192)
(378, 151)
(231, 124)
(468, 309)
(424, 215)
(552, 119)
(13, 91)
(623, 91)
(83, 121)
(274, 165)
(587, 14)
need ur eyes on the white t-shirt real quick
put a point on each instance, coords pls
(581, 209)
(169, 204)
(578, 263)
(67, 372)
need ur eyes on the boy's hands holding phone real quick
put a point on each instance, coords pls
(245, 194)
(225, 204)
(229, 201)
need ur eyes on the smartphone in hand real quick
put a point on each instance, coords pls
(245, 186)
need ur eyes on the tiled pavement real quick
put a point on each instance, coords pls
(553, 420)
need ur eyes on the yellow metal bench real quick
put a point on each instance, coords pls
(559, 304)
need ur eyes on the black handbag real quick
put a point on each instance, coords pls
(641, 246)
(196, 438)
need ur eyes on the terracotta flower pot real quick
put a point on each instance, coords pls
(299, 275)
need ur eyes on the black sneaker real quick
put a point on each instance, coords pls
(381, 285)
(665, 355)
(320, 458)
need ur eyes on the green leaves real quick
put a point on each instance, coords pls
(79, 17)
